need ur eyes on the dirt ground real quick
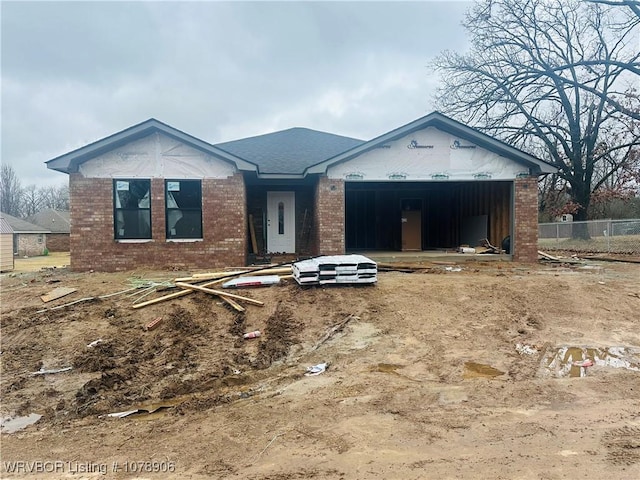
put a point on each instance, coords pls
(434, 374)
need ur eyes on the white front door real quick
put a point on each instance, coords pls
(281, 228)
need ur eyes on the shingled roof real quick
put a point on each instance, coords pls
(55, 220)
(289, 151)
(22, 226)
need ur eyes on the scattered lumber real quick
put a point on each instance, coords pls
(175, 294)
(551, 258)
(490, 248)
(546, 256)
(219, 293)
(86, 299)
(57, 293)
(233, 304)
(199, 277)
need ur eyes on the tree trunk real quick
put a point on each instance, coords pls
(582, 197)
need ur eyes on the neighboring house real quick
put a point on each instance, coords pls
(6, 246)
(29, 240)
(154, 196)
(58, 223)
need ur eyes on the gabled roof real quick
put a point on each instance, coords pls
(289, 151)
(22, 226)
(69, 162)
(447, 124)
(57, 221)
(5, 227)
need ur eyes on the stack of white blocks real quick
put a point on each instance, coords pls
(333, 269)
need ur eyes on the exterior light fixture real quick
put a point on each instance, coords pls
(397, 176)
(482, 176)
(440, 176)
(354, 176)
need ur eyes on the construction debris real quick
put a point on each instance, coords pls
(316, 369)
(42, 371)
(523, 349)
(57, 293)
(488, 248)
(219, 293)
(268, 270)
(252, 281)
(254, 334)
(153, 324)
(551, 258)
(336, 269)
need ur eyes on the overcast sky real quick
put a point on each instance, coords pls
(75, 72)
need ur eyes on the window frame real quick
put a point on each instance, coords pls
(169, 219)
(116, 209)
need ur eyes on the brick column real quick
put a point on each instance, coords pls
(91, 206)
(329, 225)
(525, 231)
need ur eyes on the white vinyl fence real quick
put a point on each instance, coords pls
(610, 236)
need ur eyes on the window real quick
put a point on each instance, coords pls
(184, 208)
(132, 209)
(281, 218)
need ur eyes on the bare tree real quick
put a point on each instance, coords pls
(31, 200)
(633, 5)
(56, 197)
(10, 191)
(542, 75)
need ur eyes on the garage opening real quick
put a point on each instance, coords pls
(426, 215)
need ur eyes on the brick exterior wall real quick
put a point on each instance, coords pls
(93, 246)
(329, 222)
(31, 244)
(58, 242)
(525, 231)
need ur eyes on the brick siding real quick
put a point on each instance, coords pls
(525, 241)
(92, 243)
(31, 244)
(329, 224)
(58, 242)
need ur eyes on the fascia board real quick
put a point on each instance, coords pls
(69, 162)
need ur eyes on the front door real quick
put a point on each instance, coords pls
(281, 229)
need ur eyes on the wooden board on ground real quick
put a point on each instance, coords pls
(219, 293)
(57, 293)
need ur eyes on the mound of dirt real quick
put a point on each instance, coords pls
(398, 380)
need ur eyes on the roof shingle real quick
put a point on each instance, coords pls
(22, 226)
(289, 151)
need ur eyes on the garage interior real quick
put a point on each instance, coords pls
(421, 216)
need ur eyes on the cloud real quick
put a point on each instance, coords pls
(74, 72)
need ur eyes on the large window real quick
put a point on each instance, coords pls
(184, 208)
(132, 209)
